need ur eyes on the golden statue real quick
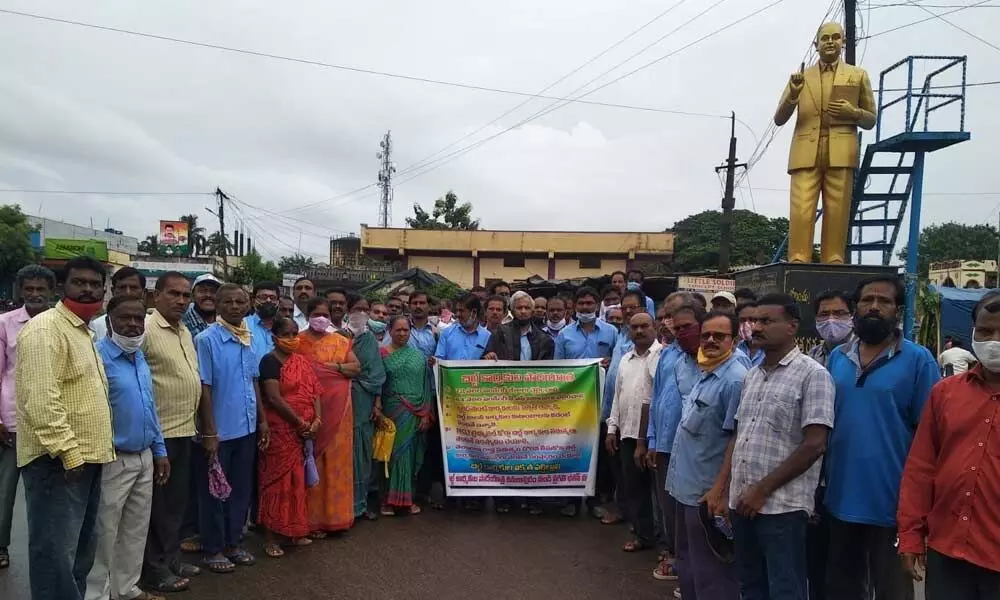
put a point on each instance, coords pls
(833, 99)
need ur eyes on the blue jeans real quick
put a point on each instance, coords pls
(771, 556)
(61, 517)
(221, 522)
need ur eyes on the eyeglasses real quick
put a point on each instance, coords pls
(715, 336)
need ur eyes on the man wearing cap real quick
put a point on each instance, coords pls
(201, 313)
(725, 302)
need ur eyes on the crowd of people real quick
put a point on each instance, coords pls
(756, 470)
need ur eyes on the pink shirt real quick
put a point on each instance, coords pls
(10, 325)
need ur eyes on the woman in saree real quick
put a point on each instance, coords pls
(366, 391)
(331, 501)
(291, 405)
(406, 399)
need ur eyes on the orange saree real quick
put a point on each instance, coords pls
(331, 502)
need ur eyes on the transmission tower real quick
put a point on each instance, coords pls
(385, 180)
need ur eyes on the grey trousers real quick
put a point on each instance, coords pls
(8, 488)
(702, 575)
(122, 525)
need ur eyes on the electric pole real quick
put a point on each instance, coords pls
(850, 31)
(221, 213)
(385, 174)
(728, 201)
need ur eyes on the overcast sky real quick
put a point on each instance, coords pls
(82, 109)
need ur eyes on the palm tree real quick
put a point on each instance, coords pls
(217, 243)
(196, 235)
(150, 245)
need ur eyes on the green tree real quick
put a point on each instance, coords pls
(254, 269)
(196, 235)
(953, 241)
(296, 263)
(150, 245)
(755, 238)
(447, 214)
(15, 243)
(216, 243)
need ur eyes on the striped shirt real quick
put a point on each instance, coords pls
(62, 393)
(633, 390)
(173, 362)
(193, 320)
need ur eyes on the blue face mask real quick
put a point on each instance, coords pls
(634, 286)
(376, 326)
(586, 317)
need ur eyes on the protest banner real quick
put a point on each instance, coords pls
(513, 428)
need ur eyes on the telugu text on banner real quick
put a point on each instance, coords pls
(513, 428)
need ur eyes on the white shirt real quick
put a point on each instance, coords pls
(633, 390)
(99, 325)
(960, 359)
(301, 319)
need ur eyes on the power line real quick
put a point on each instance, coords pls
(963, 30)
(579, 68)
(93, 193)
(918, 22)
(455, 154)
(907, 5)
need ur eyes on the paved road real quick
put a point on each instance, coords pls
(439, 556)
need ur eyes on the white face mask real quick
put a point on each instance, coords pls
(988, 353)
(434, 320)
(129, 345)
(357, 322)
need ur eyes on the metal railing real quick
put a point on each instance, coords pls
(915, 100)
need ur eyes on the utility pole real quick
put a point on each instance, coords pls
(728, 201)
(385, 174)
(850, 31)
(221, 213)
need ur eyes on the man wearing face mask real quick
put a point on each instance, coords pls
(947, 515)
(127, 281)
(201, 313)
(64, 434)
(35, 285)
(127, 483)
(834, 323)
(676, 374)
(366, 402)
(265, 305)
(883, 381)
(378, 322)
(555, 316)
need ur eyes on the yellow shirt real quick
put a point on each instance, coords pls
(63, 409)
(173, 362)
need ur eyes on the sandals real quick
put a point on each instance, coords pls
(388, 511)
(169, 584)
(191, 545)
(635, 546)
(273, 551)
(317, 535)
(186, 571)
(301, 542)
(4, 558)
(371, 515)
(242, 558)
(665, 571)
(611, 518)
(415, 510)
(220, 565)
(570, 510)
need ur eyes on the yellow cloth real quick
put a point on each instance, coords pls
(63, 409)
(710, 364)
(173, 362)
(385, 436)
(241, 333)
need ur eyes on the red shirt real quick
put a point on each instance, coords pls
(950, 493)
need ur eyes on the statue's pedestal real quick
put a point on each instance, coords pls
(806, 281)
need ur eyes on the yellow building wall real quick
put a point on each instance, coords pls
(492, 268)
(567, 268)
(456, 268)
(518, 241)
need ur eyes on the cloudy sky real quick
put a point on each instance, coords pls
(90, 110)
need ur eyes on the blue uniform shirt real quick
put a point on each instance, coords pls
(623, 345)
(676, 374)
(754, 358)
(707, 423)
(525, 347)
(455, 343)
(574, 342)
(650, 307)
(230, 368)
(130, 391)
(423, 339)
(876, 412)
(260, 337)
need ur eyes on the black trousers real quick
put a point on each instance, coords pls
(432, 470)
(163, 542)
(863, 561)
(635, 497)
(952, 579)
(817, 548)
